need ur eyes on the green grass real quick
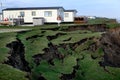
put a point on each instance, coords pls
(33, 46)
(92, 71)
(98, 53)
(104, 21)
(54, 72)
(47, 71)
(115, 72)
(5, 38)
(10, 73)
(84, 45)
(67, 66)
(113, 25)
(98, 21)
(75, 37)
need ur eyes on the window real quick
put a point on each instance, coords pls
(33, 13)
(22, 14)
(66, 15)
(61, 12)
(48, 13)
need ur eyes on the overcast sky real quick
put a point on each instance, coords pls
(103, 8)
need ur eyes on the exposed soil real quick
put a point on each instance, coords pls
(69, 76)
(33, 37)
(17, 57)
(72, 75)
(75, 45)
(55, 36)
(68, 39)
(111, 45)
(53, 29)
(43, 31)
(95, 27)
(50, 53)
(41, 78)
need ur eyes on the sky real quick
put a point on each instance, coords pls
(100, 8)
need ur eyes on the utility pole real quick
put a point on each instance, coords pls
(1, 9)
(1, 5)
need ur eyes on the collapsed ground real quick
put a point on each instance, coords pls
(61, 53)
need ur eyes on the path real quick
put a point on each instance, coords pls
(12, 30)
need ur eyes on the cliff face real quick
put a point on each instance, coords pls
(110, 42)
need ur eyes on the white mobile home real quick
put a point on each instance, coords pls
(49, 14)
(69, 15)
(91, 17)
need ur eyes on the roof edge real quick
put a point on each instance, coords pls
(32, 8)
(73, 10)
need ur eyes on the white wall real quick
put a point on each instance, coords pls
(70, 17)
(10, 14)
(28, 18)
(53, 18)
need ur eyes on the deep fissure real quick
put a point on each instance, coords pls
(17, 57)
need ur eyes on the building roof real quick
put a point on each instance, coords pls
(71, 10)
(32, 8)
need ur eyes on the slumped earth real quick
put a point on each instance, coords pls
(61, 53)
